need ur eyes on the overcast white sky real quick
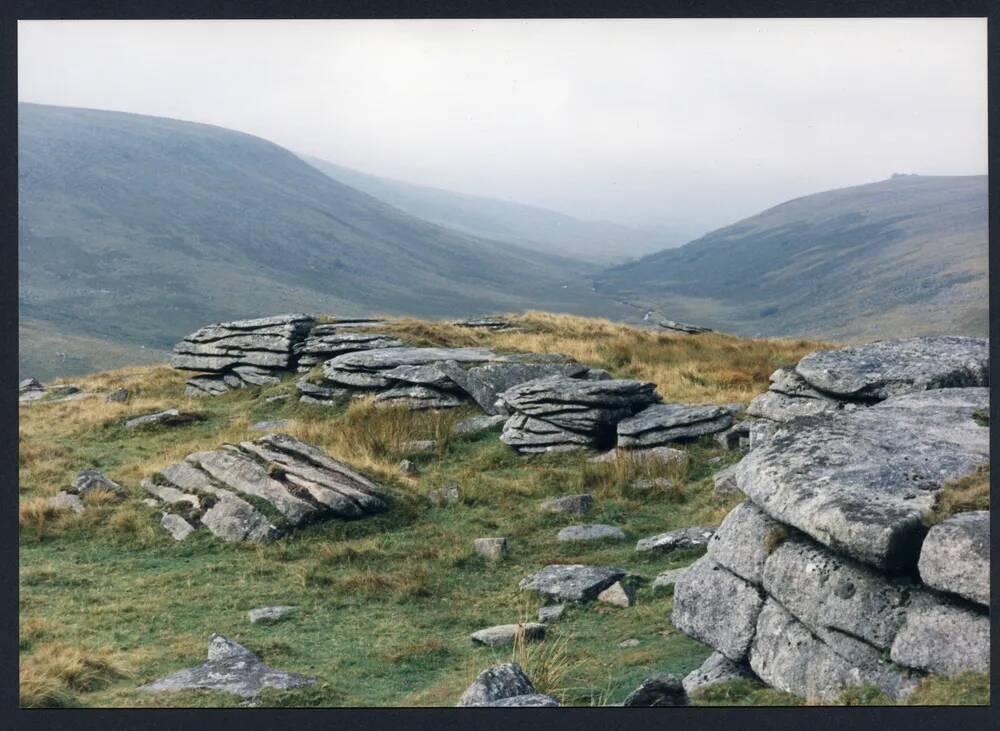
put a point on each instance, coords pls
(695, 122)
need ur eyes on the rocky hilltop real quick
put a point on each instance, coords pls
(690, 518)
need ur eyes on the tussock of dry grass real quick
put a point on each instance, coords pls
(52, 675)
(546, 663)
(969, 493)
(707, 368)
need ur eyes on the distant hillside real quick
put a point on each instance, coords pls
(543, 230)
(135, 230)
(906, 255)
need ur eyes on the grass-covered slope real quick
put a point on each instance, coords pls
(386, 604)
(905, 256)
(135, 230)
(600, 242)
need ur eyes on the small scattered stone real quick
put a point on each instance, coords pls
(151, 502)
(91, 480)
(716, 669)
(495, 684)
(504, 634)
(530, 700)
(418, 446)
(444, 495)
(591, 532)
(407, 467)
(170, 417)
(632, 642)
(269, 614)
(279, 397)
(490, 548)
(273, 425)
(231, 668)
(666, 579)
(118, 396)
(672, 540)
(176, 526)
(67, 501)
(618, 595)
(552, 613)
(662, 454)
(572, 582)
(569, 504)
(657, 692)
(657, 483)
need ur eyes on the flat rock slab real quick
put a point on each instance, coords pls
(861, 482)
(169, 417)
(572, 582)
(663, 455)
(716, 669)
(682, 327)
(569, 504)
(591, 532)
(663, 423)
(657, 692)
(552, 613)
(787, 656)
(176, 526)
(672, 540)
(887, 368)
(717, 607)
(273, 425)
(955, 556)
(495, 684)
(781, 407)
(504, 634)
(478, 424)
(944, 639)
(269, 614)
(231, 668)
(364, 369)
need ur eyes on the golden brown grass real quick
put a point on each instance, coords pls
(546, 663)
(707, 368)
(52, 675)
(969, 493)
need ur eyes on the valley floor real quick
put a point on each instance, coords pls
(109, 601)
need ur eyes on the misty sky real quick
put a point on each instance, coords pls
(694, 123)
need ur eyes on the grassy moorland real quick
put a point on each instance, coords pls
(385, 605)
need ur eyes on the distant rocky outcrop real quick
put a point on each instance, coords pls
(31, 389)
(812, 582)
(256, 490)
(683, 327)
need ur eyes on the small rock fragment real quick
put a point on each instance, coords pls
(118, 396)
(408, 468)
(569, 504)
(591, 532)
(445, 495)
(552, 613)
(176, 526)
(269, 614)
(618, 595)
(504, 634)
(490, 548)
(657, 692)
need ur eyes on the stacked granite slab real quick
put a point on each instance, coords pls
(434, 378)
(257, 490)
(329, 340)
(556, 413)
(830, 381)
(243, 352)
(662, 424)
(827, 577)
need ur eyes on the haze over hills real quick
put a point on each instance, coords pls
(601, 242)
(135, 230)
(903, 256)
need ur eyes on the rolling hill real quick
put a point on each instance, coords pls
(601, 242)
(135, 230)
(904, 256)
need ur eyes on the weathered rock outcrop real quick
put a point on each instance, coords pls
(255, 490)
(559, 413)
(830, 381)
(683, 327)
(328, 341)
(240, 353)
(812, 579)
(231, 668)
